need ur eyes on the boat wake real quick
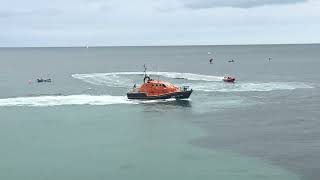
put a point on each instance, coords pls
(198, 82)
(122, 79)
(248, 87)
(65, 100)
(108, 79)
(83, 99)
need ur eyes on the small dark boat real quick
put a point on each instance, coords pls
(231, 60)
(229, 79)
(158, 89)
(44, 80)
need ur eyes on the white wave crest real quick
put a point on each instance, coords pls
(189, 76)
(201, 82)
(120, 79)
(245, 87)
(65, 100)
(109, 79)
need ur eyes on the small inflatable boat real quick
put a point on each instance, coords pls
(44, 80)
(229, 79)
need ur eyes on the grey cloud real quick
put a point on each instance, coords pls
(149, 22)
(202, 4)
(8, 13)
(5, 14)
(12, 13)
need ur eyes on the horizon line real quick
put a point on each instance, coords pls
(101, 46)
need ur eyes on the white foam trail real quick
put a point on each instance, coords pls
(188, 76)
(118, 79)
(158, 101)
(109, 79)
(65, 100)
(209, 83)
(244, 87)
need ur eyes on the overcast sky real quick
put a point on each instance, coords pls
(157, 22)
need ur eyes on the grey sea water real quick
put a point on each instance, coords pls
(81, 126)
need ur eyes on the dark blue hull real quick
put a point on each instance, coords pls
(176, 95)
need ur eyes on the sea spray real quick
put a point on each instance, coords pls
(65, 100)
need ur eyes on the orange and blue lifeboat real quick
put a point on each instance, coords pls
(158, 89)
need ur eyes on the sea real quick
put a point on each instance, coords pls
(265, 126)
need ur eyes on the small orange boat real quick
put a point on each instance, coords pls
(158, 89)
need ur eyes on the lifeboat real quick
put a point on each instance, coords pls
(229, 79)
(158, 89)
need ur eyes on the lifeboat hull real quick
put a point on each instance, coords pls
(176, 95)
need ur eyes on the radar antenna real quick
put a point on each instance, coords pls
(145, 69)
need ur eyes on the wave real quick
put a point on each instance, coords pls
(245, 87)
(200, 82)
(38, 101)
(108, 79)
(120, 79)
(189, 76)
(65, 100)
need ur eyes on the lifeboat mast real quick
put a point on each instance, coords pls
(146, 76)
